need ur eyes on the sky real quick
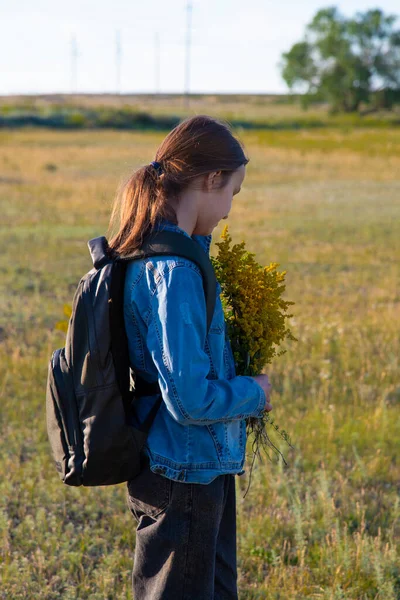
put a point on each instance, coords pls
(236, 45)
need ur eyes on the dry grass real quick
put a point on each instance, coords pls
(325, 206)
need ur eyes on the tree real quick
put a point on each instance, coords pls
(344, 60)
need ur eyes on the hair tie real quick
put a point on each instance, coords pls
(157, 167)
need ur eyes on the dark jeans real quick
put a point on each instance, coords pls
(185, 538)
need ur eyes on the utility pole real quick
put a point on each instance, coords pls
(118, 54)
(74, 63)
(157, 62)
(188, 41)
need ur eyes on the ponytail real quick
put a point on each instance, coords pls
(196, 147)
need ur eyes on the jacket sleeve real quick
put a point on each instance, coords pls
(175, 339)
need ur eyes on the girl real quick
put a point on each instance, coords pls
(184, 498)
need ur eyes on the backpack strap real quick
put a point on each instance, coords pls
(164, 243)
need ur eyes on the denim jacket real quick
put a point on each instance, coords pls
(199, 431)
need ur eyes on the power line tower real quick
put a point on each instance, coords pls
(188, 42)
(118, 56)
(74, 64)
(157, 62)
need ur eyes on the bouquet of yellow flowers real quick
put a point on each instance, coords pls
(255, 314)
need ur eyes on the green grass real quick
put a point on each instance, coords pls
(325, 206)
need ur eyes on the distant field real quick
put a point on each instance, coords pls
(282, 111)
(325, 205)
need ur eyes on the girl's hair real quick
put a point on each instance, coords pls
(195, 147)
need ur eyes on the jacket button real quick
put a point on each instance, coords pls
(181, 475)
(159, 469)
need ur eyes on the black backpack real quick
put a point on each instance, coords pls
(91, 388)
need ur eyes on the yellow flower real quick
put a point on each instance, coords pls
(255, 313)
(254, 309)
(63, 325)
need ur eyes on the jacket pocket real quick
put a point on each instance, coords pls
(235, 432)
(229, 439)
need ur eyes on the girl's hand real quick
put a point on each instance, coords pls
(263, 381)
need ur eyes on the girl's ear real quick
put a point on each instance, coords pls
(211, 180)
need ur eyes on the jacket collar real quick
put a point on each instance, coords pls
(166, 224)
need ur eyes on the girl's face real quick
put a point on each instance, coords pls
(216, 203)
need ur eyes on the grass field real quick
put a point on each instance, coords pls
(242, 110)
(325, 205)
